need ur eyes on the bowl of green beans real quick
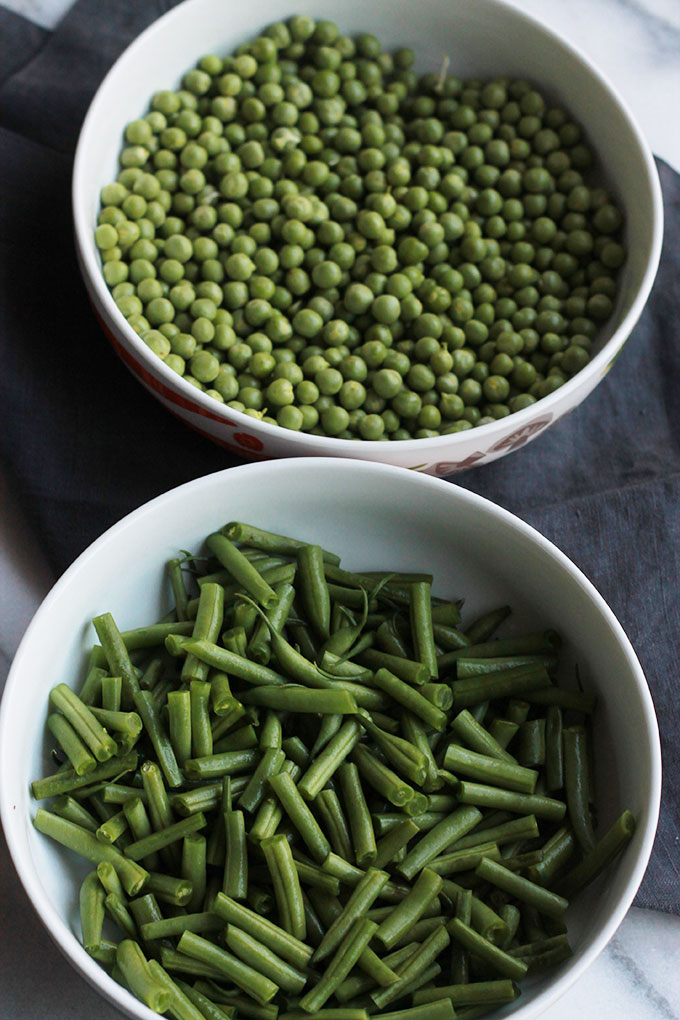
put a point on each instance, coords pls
(331, 740)
(361, 233)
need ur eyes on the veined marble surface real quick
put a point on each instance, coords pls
(636, 43)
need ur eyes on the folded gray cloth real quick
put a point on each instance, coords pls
(603, 484)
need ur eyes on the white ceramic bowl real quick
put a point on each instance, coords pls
(375, 516)
(486, 37)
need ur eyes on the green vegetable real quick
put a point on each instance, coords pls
(277, 828)
(319, 237)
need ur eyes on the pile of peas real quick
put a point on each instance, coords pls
(314, 234)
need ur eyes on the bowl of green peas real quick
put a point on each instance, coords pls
(339, 232)
(395, 755)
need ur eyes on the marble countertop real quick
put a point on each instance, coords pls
(636, 43)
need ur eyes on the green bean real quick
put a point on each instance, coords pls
(438, 694)
(344, 669)
(91, 689)
(118, 912)
(531, 742)
(502, 731)
(519, 803)
(312, 876)
(327, 1014)
(330, 759)
(347, 953)
(91, 901)
(538, 643)
(259, 646)
(234, 665)
(487, 993)
(484, 626)
(193, 868)
(554, 751)
(105, 953)
(393, 841)
(555, 854)
(127, 723)
(328, 727)
(358, 815)
(115, 652)
(235, 881)
(181, 963)
(151, 675)
(241, 569)
(577, 785)
(150, 715)
(420, 610)
(112, 688)
(88, 846)
(286, 884)
(479, 739)
(436, 1009)
(268, 541)
(173, 927)
(490, 954)
(464, 860)
(209, 1010)
(181, 1006)
(313, 589)
(406, 759)
(413, 968)
(498, 685)
(300, 815)
(523, 889)
(113, 828)
(483, 918)
(223, 763)
(240, 739)
(264, 960)
(271, 762)
(363, 895)
(381, 778)
(410, 699)
(576, 701)
(334, 822)
(157, 840)
(452, 828)
(466, 668)
(179, 724)
(140, 826)
(207, 625)
(83, 722)
(490, 770)
(411, 909)
(77, 753)
(408, 670)
(297, 698)
(355, 985)
(275, 938)
(73, 811)
(599, 857)
(141, 981)
(176, 891)
(414, 731)
(174, 570)
(230, 967)
(392, 642)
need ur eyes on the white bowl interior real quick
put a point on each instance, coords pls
(484, 38)
(376, 517)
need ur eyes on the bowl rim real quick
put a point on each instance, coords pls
(331, 445)
(61, 934)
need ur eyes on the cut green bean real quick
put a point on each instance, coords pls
(492, 771)
(446, 833)
(420, 611)
(179, 724)
(83, 722)
(410, 699)
(522, 889)
(264, 960)
(150, 715)
(477, 738)
(496, 958)
(230, 967)
(141, 981)
(268, 541)
(410, 910)
(577, 785)
(286, 885)
(235, 881)
(486, 993)
(296, 698)
(193, 868)
(464, 860)
(75, 750)
(313, 589)
(330, 759)
(358, 816)
(88, 846)
(519, 803)
(383, 780)
(277, 939)
(157, 840)
(347, 954)
(300, 815)
(363, 895)
(413, 968)
(599, 857)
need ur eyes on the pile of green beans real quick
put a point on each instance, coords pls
(311, 792)
(316, 235)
